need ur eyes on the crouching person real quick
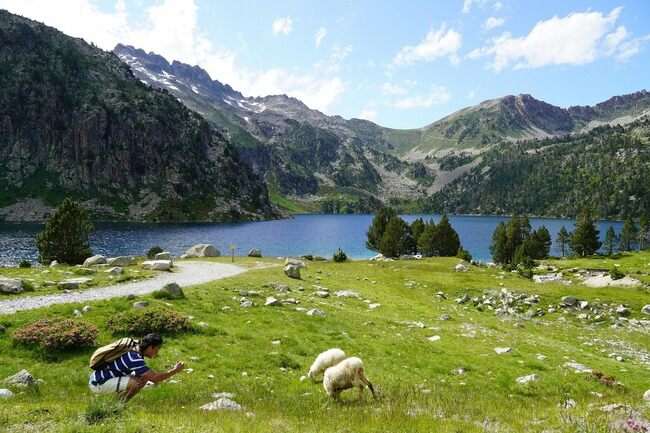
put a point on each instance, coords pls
(120, 367)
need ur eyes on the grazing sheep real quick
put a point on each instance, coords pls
(325, 360)
(344, 375)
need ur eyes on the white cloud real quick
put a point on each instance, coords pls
(320, 34)
(337, 55)
(437, 43)
(437, 95)
(467, 4)
(171, 30)
(369, 114)
(492, 23)
(390, 89)
(282, 25)
(578, 38)
(498, 6)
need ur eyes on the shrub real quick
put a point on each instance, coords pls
(464, 254)
(25, 264)
(286, 361)
(616, 274)
(147, 320)
(100, 409)
(308, 257)
(151, 253)
(57, 334)
(339, 256)
(319, 259)
(65, 237)
(28, 286)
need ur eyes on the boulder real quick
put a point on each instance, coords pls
(461, 267)
(570, 301)
(22, 378)
(54, 264)
(646, 309)
(316, 312)
(272, 302)
(11, 285)
(121, 261)
(255, 252)
(292, 271)
(202, 250)
(295, 262)
(165, 255)
(491, 265)
(157, 265)
(174, 290)
(67, 285)
(529, 378)
(115, 271)
(95, 260)
(5, 393)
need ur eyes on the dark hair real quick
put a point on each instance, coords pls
(150, 340)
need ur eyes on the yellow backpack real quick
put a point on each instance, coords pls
(106, 354)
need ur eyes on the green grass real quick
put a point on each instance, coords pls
(293, 206)
(419, 391)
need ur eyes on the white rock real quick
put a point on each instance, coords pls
(434, 338)
(165, 255)
(579, 368)
(54, 264)
(121, 261)
(646, 309)
(115, 271)
(22, 378)
(461, 267)
(316, 312)
(292, 271)
(374, 306)
(77, 313)
(501, 350)
(529, 378)
(157, 265)
(348, 294)
(295, 262)
(202, 250)
(272, 302)
(5, 393)
(613, 407)
(11, 285)
(255, 252)
(646, 395)
(541, 357)
(86, 308)
(95, 260)
(221, 404)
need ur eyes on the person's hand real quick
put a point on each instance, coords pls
(178, 367)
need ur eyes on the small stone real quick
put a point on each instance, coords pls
(292, 271)
(434, 338)
(244, 374)
(86, 308)
(222, 404)
(276, 342)
(613, 407)
(115, 271)
(374, 306)
(316, 312)
(578, 368)
(173, 290)
(202, 324)
(646, 310)
(2, 329)
(165, 255)
(322, 294)
(461, 267)
(567, 404)
(5, 393)
(529, 378)
(272, 302)
(646, 395)
(246, 303)
(140, 305)
(22, 378)
(77, 313)
(541, 357)
(255, 252)
(210, 376)
(130, 297)
(569, 301)
(622, 310)
(501, 350)
(444, 317)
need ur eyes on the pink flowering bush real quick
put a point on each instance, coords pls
(632, 426)
(57, 335)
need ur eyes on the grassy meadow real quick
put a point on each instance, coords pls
(260, 353)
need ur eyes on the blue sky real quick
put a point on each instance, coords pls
(400, 64)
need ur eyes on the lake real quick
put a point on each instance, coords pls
(305, 234)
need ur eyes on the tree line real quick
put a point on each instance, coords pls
(391, 236)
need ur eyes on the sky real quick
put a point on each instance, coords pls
(400, 64)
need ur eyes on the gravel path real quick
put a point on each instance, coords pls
(186, 273)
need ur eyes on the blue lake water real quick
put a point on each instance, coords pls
(305, 234)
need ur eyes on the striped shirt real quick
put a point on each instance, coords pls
(130, 362)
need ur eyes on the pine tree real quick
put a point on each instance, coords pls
(563, 240)
(499, 244)
(538, 244)
(65, 238)
(417, 227)
(447, 240)
(395, 239)
(611, 240)
(377, 228)
(515, 235)
(628, 234)
(644, 232)
(584, 240)
(427, 240)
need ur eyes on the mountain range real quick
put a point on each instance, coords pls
(135, 137)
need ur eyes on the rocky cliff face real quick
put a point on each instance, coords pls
(299, 151)
(74, 121)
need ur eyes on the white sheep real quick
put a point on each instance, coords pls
(345, 375)
(327, 359)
